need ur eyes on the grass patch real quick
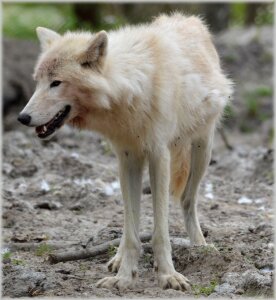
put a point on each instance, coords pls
(43, 249)
(6, 255)
(264, 91)
(252, 106)
(230, 58)
(107, 150)
(83, 267)
(112, 250)
(246, 128)
(147, 258)
(228, 111)
(253, 102)
(17, 262)
(20, 20)
(205, 290)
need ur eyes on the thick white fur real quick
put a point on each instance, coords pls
(156, 91)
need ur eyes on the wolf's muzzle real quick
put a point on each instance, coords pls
(25, 119)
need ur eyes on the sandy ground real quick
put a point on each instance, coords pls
(63, 192)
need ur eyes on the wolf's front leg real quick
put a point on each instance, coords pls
(126, 259)
(159, 167)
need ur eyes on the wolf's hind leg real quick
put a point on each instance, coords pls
(200, 158)
(126, 259)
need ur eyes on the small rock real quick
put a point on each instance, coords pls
(251, 229)
(213, 162)
(77, 206)
(44, 186)
(270, 245)
(63, 271)
(51, 205)
(214, 206)
(107, 234)
(180, 242)
(224, 288)
(233, 278)
(75, 155)
(262, 227)
(244, 200)
(26, 282)
(253, 280)
(239, 291)
(267, 269)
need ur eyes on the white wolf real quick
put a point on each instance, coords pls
(156, 91)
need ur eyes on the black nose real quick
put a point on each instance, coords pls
(24, 119)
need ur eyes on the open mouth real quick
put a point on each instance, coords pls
(50, 127)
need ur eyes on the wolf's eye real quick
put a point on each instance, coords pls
(55, 83)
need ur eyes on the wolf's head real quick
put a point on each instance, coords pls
(70, 80)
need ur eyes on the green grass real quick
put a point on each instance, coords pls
(17, 262)
(111, 251)
(14, 261)
(6, 255)
(238, 13)
(147, 258)
(206, 290)
(253, 102)
(43, 249)
(264, 91)
(245, 128)
(21, 20)
(265, 15)
(83, 267)
(228, 111)
(106, 147)
(253, 106)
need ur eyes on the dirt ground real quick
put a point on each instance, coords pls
(59, 194)
(62, 193)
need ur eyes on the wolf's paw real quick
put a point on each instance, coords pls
(119, 282)
(174, 281)
(114, 264)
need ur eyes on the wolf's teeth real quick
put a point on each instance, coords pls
(44, 128)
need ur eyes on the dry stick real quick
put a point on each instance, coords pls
(97, 250)
(33, 245)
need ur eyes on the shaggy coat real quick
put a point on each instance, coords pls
(156, 92)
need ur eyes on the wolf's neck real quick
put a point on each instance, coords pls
(128, 69)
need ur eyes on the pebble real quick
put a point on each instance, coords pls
(51, 205)
(44, 186)
(244, 200)
(252, 279)
(224, 288)
(25, 280)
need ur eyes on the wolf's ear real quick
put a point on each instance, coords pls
(96, 52)
(46, 37)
